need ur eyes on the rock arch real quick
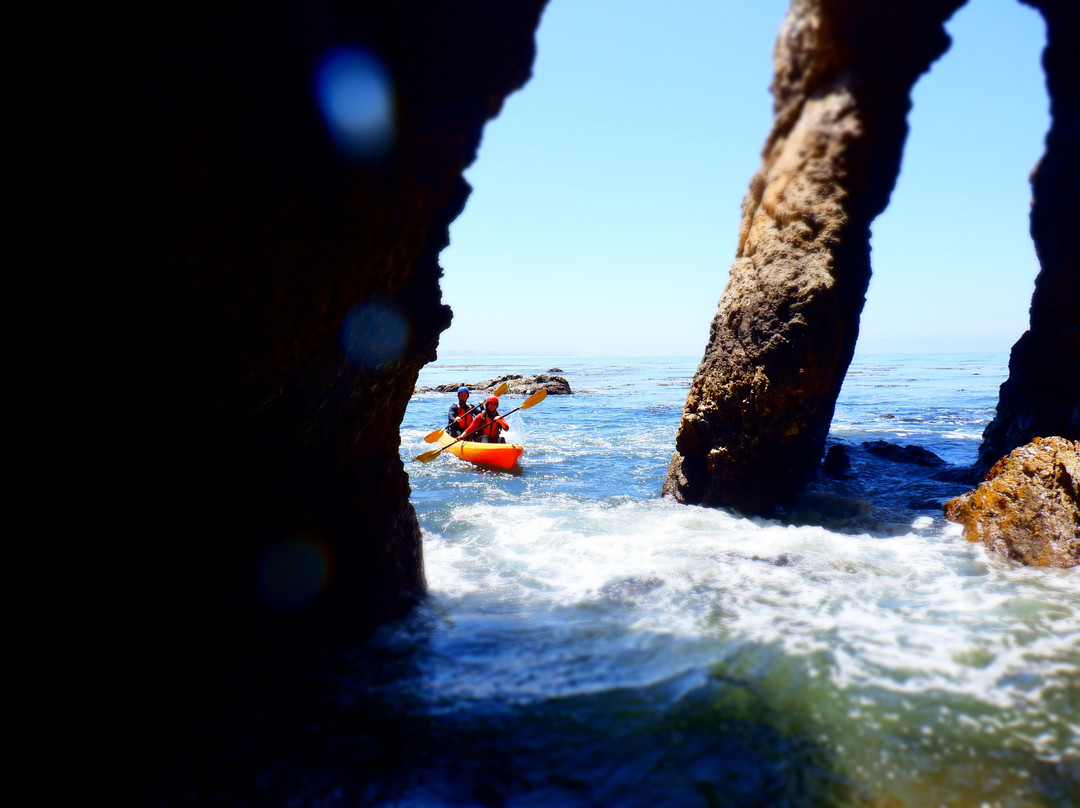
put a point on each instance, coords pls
(1042, 394)
(762, 399)
(195, 244)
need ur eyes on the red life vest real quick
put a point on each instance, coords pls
(490, 427)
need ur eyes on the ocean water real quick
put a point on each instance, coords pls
(589, 643)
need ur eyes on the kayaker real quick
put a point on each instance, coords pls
(461, 414)
(488, 424)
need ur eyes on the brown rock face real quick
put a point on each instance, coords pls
(234, 299)
(1028, 509)
(759, 408)
(761, 402)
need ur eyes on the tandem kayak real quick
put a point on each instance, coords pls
(496, 455)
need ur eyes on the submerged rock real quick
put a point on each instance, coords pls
(631, 588)
(967, 475)
(903, 454)
(837, 461)
(1028, 508)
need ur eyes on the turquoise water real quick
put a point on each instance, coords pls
(587, 643)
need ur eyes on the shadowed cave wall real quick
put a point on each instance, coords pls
(756, 417)
(224, 496)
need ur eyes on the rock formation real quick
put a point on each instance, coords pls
(233, 282)
(759, 408)
(1028, 508)
(234, 218)
(516, 385)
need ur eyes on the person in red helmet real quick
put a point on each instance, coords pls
(486, 427)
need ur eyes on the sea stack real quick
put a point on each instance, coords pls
(760, 405)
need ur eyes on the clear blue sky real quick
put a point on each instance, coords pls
(606, 195)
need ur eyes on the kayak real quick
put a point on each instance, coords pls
(496, 455)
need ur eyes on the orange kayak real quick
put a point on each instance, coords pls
(496, 455)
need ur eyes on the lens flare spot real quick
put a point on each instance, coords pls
(356, 99)
(293, 571)
(374, 334)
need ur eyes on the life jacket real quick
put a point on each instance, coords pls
(492, 425)
(464, 417)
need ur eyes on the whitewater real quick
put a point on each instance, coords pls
(587, 642)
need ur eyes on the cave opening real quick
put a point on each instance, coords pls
(953, 260)
(613, 181)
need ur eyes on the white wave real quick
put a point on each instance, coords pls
(917, 613)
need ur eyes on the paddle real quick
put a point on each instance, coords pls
(431, 437)
(531, 401)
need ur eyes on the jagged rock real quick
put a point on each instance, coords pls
(1028, 508)
(450, 388)
(903, 454)
(527, 385)
(759, 407)
(517, 385)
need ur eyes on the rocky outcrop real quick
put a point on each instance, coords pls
(516, 385)
(1028, 508)
(1042, 393)
(238, 285)
(756, 417)
(759, 408)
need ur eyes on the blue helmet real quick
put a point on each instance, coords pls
(464, 390)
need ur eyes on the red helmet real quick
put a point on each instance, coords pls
(491, 400)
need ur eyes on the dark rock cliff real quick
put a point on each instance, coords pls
(233, 301)
(755, 421)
